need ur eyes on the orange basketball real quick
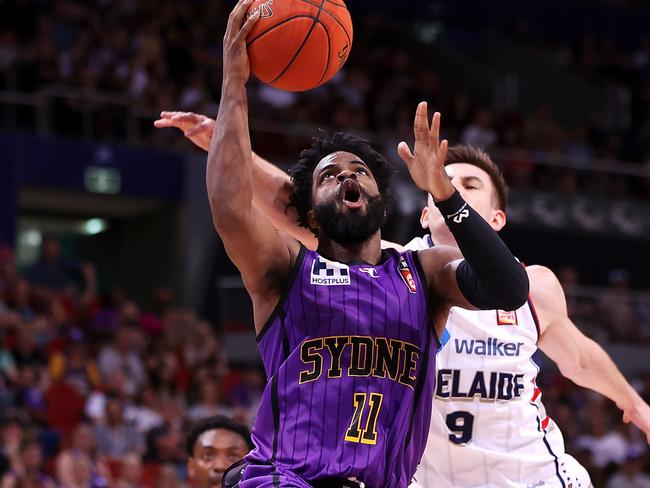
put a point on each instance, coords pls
(297, 45)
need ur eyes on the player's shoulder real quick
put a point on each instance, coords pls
(546, 292)
(541, 277)
(440, 252)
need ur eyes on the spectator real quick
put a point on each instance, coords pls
(75, 366)
(121, 356)
(52, 271)
(116, 438)
(246, 395)
(146, 414)
(114, 385)
(31, 392)
(167, 477)
(631, 474)
(31, 473)
(214, 444)
(106, 321)
(615, 309)
(12, 434)
(209, 403)
(606, 446)
(79, 467)
(480, 133)
(165, 446)
(130, 472)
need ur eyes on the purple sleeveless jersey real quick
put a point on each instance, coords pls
(350, 356)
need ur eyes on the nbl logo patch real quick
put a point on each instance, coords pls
(405, 273)
(329, 273)
(506, 318)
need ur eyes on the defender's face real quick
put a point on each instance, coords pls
(214, 451)
(345, 179)
(476, 188)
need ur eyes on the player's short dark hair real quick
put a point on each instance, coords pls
(324, 145)
(464, 153)
(212, 423)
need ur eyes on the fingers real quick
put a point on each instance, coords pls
(405, 153)
(162, 123)
(197, 129)
(236, 17)
(187, 118)
(249, 24)
(442, 152)
(434, 133)
(177, 119)
(421, 124)
(164, 120)
(176, 114)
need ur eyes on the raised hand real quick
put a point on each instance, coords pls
(196, 127)
(236, 66)
(426, 163)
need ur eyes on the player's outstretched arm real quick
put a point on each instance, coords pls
(262, 255)
(489, 277)
(579, 358)
(271, 186)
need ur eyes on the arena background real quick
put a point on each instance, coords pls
(557, 91)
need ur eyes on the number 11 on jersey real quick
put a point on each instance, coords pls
(367, 435)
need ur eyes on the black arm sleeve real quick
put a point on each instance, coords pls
(490, 277)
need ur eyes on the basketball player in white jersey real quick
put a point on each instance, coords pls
(491, 429)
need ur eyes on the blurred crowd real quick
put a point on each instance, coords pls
(98, 393)
(167, 55)
(611, 314)
(615, 454)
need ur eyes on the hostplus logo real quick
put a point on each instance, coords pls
(329, 273)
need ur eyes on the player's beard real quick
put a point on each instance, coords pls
(351, 227)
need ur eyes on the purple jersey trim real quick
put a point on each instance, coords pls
(285, 292)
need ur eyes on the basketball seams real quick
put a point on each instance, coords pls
(307, 14)
(261, 34)
(304, 41)
(336, 19)
(341, 5)
(329, 51)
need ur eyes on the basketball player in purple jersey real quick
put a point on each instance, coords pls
(344, 331)
(580, 359)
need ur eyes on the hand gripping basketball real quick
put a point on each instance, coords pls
(236, 66)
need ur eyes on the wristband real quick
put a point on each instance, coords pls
(454, 209)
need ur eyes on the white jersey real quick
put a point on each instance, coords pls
(489, 427)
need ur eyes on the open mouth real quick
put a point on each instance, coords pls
(350, 193)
